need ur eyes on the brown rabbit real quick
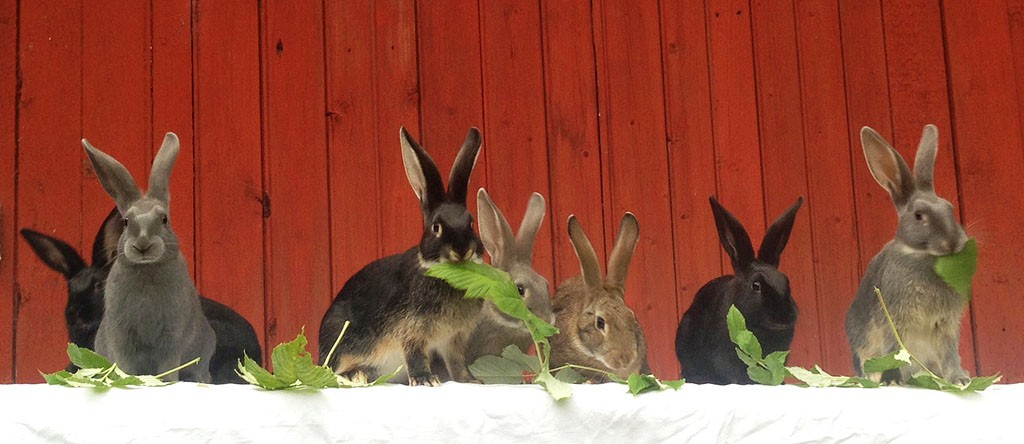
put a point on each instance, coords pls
(596, 327)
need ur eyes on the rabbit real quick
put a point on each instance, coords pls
(235, 335)
(925, 310)
(152, 318)
(758, 290)
(596, 328)
(398, 315)
(513, 254)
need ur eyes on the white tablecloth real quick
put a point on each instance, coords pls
(607, 413)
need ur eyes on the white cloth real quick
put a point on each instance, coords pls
(606, 413)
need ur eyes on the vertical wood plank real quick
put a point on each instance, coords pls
(918, 90)
(831, 207)
(1015, 9)
(780, 123)
(989, 150)
(514, 114)
(8, 162)
(572, 132)
(396, 61)
(297, 271)
(50, 130)
(352, 139)
(691, 147)
(172, 98)
(451, 92)
(639, 182)
(228, 168)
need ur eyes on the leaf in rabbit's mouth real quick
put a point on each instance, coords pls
(958, 269)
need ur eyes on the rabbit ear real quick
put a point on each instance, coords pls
(104, 247)
(55, 253)
(622, 253)
(495, 232)
(422, 172)
(886, 165)
(924, 163)
(777, 236)
(160, 174)
(529, 227)
(458, 181)
(114, 177)
(589, 264)
(733, 237)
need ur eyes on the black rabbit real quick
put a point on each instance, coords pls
(758, 289)
(84, 309)
(398, 315)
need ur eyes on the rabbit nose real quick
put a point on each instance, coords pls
(453, 256)
(469, 253)
(142, 245)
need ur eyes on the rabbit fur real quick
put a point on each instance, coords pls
(925, 310)
(596, 328)
(399, 316)
(758, 290)
(152, 320)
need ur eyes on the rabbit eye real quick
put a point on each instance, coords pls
(756, 286)
(436, 229)
(165, 219)
(918, 215)
(126, 221)
(600, 323)
(522, 291)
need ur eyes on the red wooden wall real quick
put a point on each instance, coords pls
(290, 177)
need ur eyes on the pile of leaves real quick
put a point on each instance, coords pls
(482, 281)
(96, 371)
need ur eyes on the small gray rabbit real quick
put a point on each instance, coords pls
(924, 308)
(152, 320)
(513, 254)
(596, 328)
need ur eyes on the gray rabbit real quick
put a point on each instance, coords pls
(925, 309)
(152, 320)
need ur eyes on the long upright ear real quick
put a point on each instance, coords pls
(733, 236)
(777, 236)
(160, 174)
(622, 253)
(924, 162)
(886, 166)
(104, 247)
(114, 177)
(422, 172)
(54, 252)
(495, 232)
(529, 227)
(458, 181)
(589, 265)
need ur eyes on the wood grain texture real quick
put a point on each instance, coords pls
(629, 71)
(8, 160)
(298, 257)
(989, 146)
(50, 132)
(229, 184)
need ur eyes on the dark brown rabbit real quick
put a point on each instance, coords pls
(924, 308)
(399, 316)
(596, 328)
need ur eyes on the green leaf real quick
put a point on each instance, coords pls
(819, 378)
(558, 389)
(529, 363)
(497, 370)
(736, 323)
(958, 269)
(252, 373)
(569, 375)
(58, 378)
(642, 383)
(760, 375)
(891, 361)
(289, 356)
(776, 364)
(315, 376)
(982, 382)
(84, 358)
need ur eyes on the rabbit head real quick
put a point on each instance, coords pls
(147, 237)
(927, 222)
(514, 254)
(758, 289)
(601, 326)
(447, 225)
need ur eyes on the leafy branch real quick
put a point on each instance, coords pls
(96, 371)
(514, 366)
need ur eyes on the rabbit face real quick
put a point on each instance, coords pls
(147, 235)
(449, 237)
(607, 332)
(534, 289)
(928, 223)
(766, 291)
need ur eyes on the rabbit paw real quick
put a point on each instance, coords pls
(426, 379)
